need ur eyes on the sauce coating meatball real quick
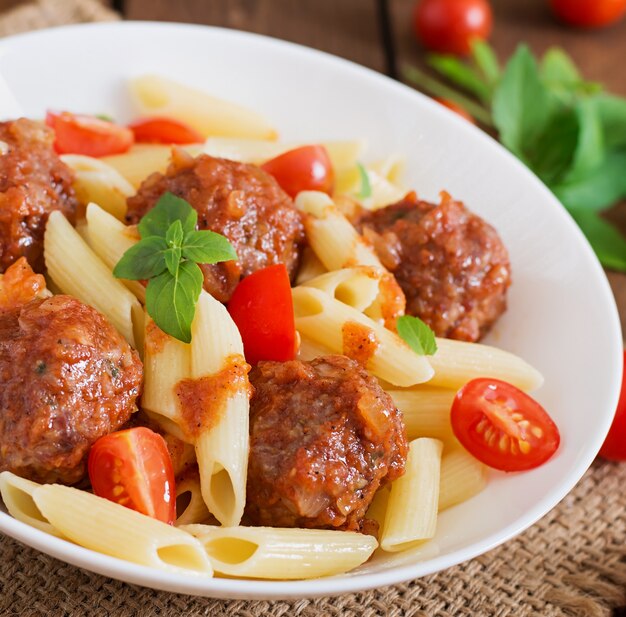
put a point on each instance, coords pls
(324, 436)
(240, 201)
(33, 183)
(68, 377)
(451, 264)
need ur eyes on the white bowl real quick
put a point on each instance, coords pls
(561, 316)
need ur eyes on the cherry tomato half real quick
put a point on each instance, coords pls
(502, 426)
(303, 169)
(457, 109)
(134, 468)
(79, 134)
(164, 131)
(614, 447)
(262, 308)
(589, 13)
(448, 26)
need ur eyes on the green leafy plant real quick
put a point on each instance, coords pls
(167, 256)
(419, 337)
(569, 131)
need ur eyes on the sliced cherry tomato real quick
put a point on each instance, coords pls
(133, 468)
(164, 131)
(262, 308)
(304, 169)
(589, 13)
(614, 447)
(448, 26)
(457, 109)
(502, 426)
(79, 134)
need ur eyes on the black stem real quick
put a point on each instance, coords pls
(386, 35)
(118, 5)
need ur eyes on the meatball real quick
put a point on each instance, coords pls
(452, 266)
(240, 201)
(33, 183)
(68, 377)
(324, 437)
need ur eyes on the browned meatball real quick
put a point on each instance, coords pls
(324, 436)
(68, 377)
(240, 201)
(33, 183)
(451, 264)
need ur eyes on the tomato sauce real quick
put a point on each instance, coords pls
(359, 342)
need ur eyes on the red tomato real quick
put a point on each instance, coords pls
(78, 134)
(448, 26)
(589, 13)
(614, 447)
(457, 109)
(304, 169)
(502, 426)
(164, 131)
(134, 468)
(262, 308)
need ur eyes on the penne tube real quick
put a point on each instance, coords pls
(457, 362)
(189, 493)
(79, 272)
(411, 515)
(17, 494)
(274, 553)
(159, 96)
(310, 266)
(344, 330)
(426, 411)
(112, 529)
(382, 190)
(95, 181)
(462, 477)
(378, 507)
(309, 350)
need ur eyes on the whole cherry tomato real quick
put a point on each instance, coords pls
(589, 13)
(448, 26)
(614, 447)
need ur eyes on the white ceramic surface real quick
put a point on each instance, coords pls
(561, 317)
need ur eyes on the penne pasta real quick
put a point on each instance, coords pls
(309, 350)
(78, 271)
(190, 507)
(17, 494)
(345, 330)
(383, 191)
(112, 529)
(462, 477)
(274, 553)
(310, 266)
(411, 514)
(159, 96)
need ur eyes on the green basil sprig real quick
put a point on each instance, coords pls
(419, 337)
(167, 256)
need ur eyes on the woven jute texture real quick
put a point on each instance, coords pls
(571, 563)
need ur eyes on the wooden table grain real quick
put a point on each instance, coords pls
(353, 29)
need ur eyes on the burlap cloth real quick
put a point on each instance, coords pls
(573, 562)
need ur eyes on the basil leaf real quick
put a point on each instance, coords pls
(557, 68)
(175, 234)
(172, 259)
(207, 247)
(419, 337)
(366, 187)
(460, 73)
(171, 300)
(142, 260)
(589, 153)
(612, 112)
(522, 105)
(486, 61)
(168, 209)
(606, 240)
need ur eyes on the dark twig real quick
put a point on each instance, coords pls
(386, 35)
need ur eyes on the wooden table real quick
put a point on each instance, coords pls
(354, 29)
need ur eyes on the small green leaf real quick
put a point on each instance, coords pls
(168, 209)
(171, 300)
(589, 153)
(175, 234)
(142, 260)
(105, 117)
(557, 68)
(606, 240)
(207, 247)
(612, 112)
(172, 259)
(462, 74)
(419, 337)
(366, 187)
(485, 59)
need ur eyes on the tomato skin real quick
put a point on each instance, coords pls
(614, 446)
(133, 468)
(448, 26)
(488, 418)
(303, 169)
(80, 134)
(588, 13)
(262, 308)
(457, 109)
(164, 131)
